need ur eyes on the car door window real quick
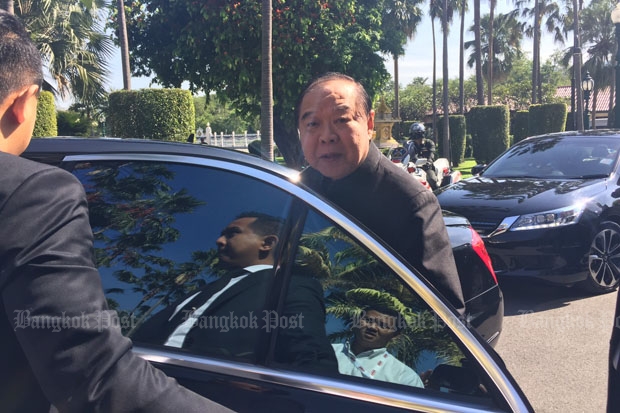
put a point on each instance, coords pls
(155, 226)
(382, 332)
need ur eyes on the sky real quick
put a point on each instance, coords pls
(418, 58)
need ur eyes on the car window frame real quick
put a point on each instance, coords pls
(475, 348)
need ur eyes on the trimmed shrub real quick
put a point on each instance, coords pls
(520, 125)
(71, 124)
(546, 118)
(161, 114)
(489, 127)
(458, 131)
(45, 124)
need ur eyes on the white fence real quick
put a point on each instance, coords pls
(234, 141)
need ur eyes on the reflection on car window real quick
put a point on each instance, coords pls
(156, 226)
(379, 328)
(557, 157)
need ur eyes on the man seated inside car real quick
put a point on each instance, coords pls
(366, 355)
(228, 316)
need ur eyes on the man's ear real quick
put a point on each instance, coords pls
(269, 242)
(371, 122)
(20, 105)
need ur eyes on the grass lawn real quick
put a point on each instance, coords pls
(465, 167)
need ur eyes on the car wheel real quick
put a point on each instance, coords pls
(604, 259)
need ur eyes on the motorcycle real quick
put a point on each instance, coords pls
(443, 171)
(400, 157)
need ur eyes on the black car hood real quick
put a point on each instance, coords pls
(492, 199)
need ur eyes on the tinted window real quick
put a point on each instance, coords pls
(381, 331)
(569, 157)
(155, 227)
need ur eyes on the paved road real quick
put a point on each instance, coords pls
(555, 342)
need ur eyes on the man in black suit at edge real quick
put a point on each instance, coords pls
(227, 316)
(55, 355)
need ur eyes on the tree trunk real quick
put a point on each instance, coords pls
(434, 115)
(535, 52)
(122, 31)
(577, 67)
(288, 144)
(462, 62)
(491, 55)
(396, 111)
(445, 142)
(479, 80)
(266, 103)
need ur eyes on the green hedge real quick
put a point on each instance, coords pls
(458, 131)
(520, 125)
(161, 114)
(546, 118)
(45, 124)
(489, 127)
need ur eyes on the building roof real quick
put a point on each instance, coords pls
(602, 98)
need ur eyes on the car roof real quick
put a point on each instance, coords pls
(581, 134)
(68, 145)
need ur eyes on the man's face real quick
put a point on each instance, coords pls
(239, 246)
(375, 330)
(334, 131)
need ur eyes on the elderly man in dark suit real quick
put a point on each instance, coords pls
(228, 316)
(53, 349)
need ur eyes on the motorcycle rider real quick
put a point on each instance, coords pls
(420, 147)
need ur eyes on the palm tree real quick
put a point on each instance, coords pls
(554, 24)
(507, 44)
(462, 10)
(443, 10)
(73, 44)
(122, 37)
(491, 52)
(400, 21)
(598, 36)
(477, 29)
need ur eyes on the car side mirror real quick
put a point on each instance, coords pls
(478, 168)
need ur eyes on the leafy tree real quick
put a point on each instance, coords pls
(222, 118)
(507, 44)
(356, 280)
(400, 20)
(598, 37)
(71, 123)
(552, 11)
(215, 46)
(74, 47)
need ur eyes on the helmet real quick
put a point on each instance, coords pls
(416, 131)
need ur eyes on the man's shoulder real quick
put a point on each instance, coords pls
(15, 171)
(16, 165)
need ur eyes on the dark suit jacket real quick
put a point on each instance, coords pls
(54, 347)
(412, 225)
(233, 323)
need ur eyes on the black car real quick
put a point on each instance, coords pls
(548, 208)
(156, 209)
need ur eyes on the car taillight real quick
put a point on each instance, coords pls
(478, 245)
(446, 171)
